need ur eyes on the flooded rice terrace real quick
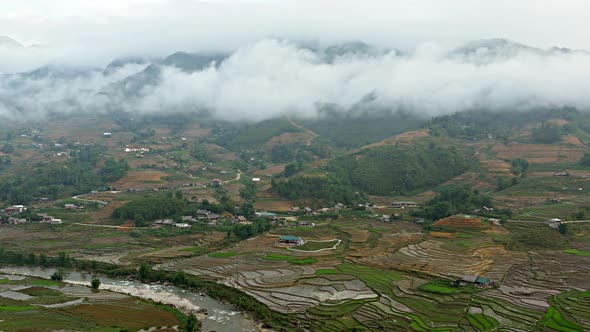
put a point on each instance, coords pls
(220, 316)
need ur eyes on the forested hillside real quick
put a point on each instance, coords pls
(400, 170)
(79, 175)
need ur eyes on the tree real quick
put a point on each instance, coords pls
(290, 170)
(563, 229)
(144, 272)
(58, 275)
(248, 210)
(192, 323)
(8, 148)
(585, 161)
(95, 283)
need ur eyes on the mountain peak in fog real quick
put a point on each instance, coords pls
(6, 41)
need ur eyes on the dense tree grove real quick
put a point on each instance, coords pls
(546, 133)
(519, 166)
(479, 124)
(80, 174)
(358, 128)
(455, 200)
(321, 189)
(149, 208)
(399, 170)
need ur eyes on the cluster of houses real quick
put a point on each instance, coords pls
(296, 210)
(141, 150)
(202, 216)
(8, 216)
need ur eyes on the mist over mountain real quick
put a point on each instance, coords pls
(7, 42)
(272, 77)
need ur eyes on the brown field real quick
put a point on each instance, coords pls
(403, 139)
(276, 169)
(540, 154)
(572, 140)
(460, 222)
(138, 179)
(559, 122)
(441, 234)
(288, 138)
(196, 132)
(497, 166)
(268, 201)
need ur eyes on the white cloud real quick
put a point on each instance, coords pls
(93, 32)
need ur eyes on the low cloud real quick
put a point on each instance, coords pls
(272, 77)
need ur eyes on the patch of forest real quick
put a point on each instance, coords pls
(352, 131)
(480, 124)
(81, 174)
(400, 170)
(320, 189)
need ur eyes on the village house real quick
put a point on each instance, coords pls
(290, 241)
(385, 218)
(47, 219)
(561, 174)
(182, 225)
(141, 150)
(495, 221)
(403, 204)
(474, 280)
(266, 215)
(107, 134)
(216, 182)
(16, 221)
(212, 223)
(294, 210)
(339, 206)
(213, 217)
(255, 179)
(303, 223)
(202, 214)
(15, 209)
(164, 222)
(553, 223)
(189, 219)
(241, 220)
(307, 210)
(73, 206)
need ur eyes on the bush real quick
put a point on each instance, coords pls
(95, 283)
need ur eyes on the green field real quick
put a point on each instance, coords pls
(440, 287)
(577, 252)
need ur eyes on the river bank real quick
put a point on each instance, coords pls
(220, 317)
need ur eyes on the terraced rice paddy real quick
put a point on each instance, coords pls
(547, 211)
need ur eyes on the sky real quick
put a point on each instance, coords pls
(267, 75)
(92, 32)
